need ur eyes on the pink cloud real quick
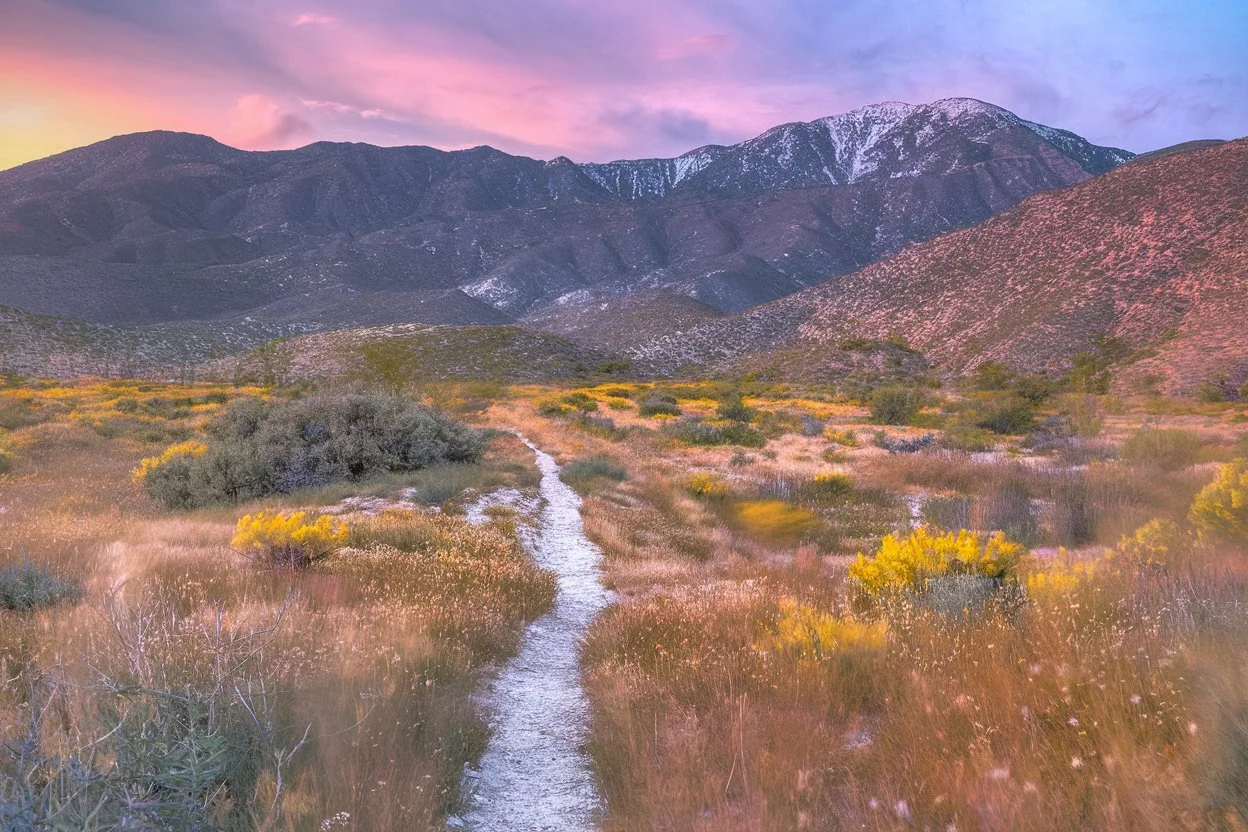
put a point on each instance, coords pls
(313, 19)
(698, 45)
(257, 121)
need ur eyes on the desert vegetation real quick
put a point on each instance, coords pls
(1015, 604)
(1010, 602)
(301, 660)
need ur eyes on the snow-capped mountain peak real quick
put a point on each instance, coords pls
(888, 141)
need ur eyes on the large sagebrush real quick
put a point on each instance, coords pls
(257, 448)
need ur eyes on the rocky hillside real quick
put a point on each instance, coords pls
(162, 227)
(1153, 254)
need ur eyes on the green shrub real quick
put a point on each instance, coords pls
(615, 391)
(1211, 392)
(658, 404)
(17, 413)
(830, 483)
(1034, 389)
(6, 453)
(582, 401)
(895, 405)
(733, 433)
(1084, 412)
(960, 436)
(1169, 449)
(1011, 415)
(732, 407)
(28, 586)
(258, 448)
(845, 438)
(775, 519)
(992, 375)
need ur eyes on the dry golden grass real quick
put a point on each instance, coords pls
(1110, 699)
(375, 652)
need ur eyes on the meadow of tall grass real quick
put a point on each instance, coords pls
(1084, 671)
(183, 685)
(1093, 681)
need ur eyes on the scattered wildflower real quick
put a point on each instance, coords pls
(707, 486)
(149, 464)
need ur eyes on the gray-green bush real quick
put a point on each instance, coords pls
(895, 405)
(28, 586)
(733, 433)
(257, 448)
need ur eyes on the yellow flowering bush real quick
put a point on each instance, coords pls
(1156, 543)
(707, 486)
(1221, 508)
(1059, 578)
(6, 453)
(908, 563)
(841, 437)
(190, 448)
(830, 482)
(775, 519)
(291, 540)
(807, 633)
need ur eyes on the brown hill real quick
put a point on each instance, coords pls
(1154, 254)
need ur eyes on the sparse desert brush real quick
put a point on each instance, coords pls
(775, 519)
(1220, 510)
(693, 432)
(1169, 449)
(907, 564)
(288, 541)
(707, 486)
(582, 473)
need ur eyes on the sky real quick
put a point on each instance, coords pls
(597, 80)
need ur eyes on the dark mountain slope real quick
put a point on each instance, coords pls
(1154, 254)
(166, 227)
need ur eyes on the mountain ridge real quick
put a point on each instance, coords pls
(162, 227)
(1165, 274)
